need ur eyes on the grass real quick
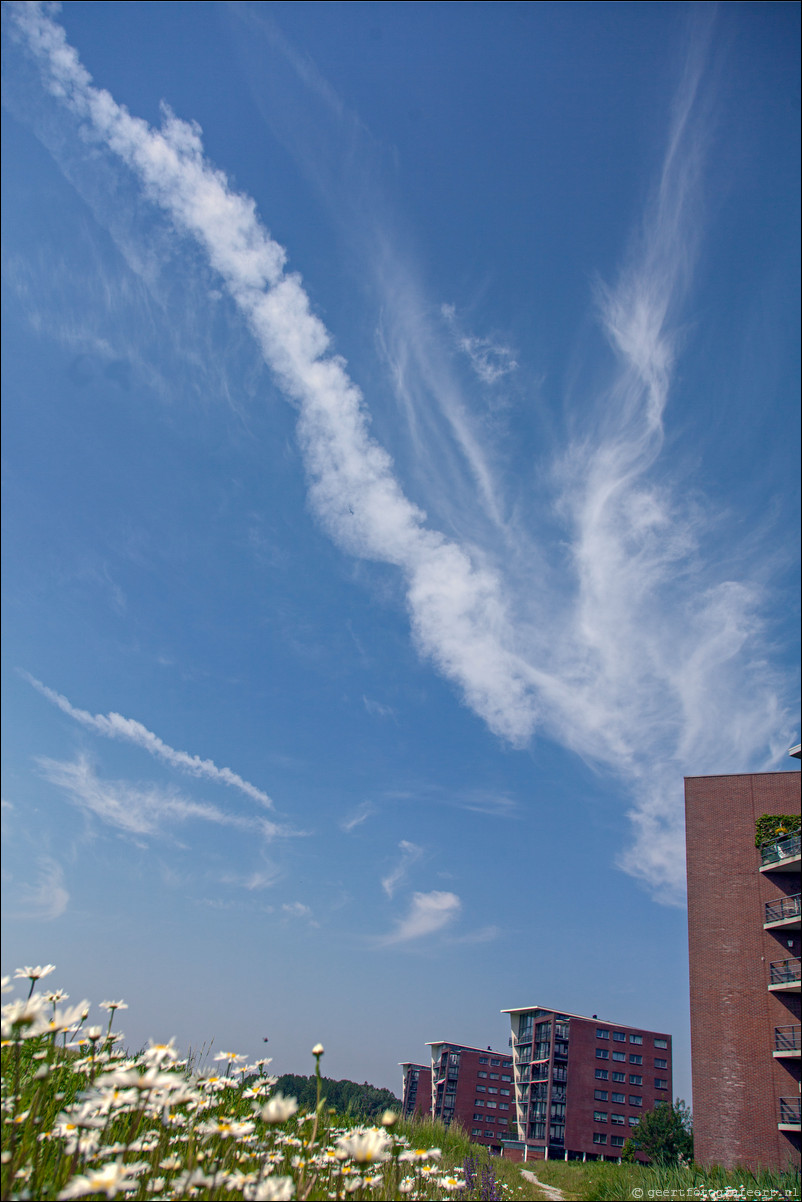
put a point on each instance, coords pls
(603, 1180)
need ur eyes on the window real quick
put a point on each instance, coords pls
(598, 1138)
(476, 1130)
(636, 1039)
(635, 1059)
(602, 1033)
(620, 1036)
(537, 1130)
(600, 1116)
(483, 1059)
(479, 1118)
(600, 1095)
(660, 1063)
(602, 1054)
(481, 1089)
(490, 1134)
(481, 1074)
(492, 1089)
(619, 1055)
(601, 1074)
(505, 1093)
(489, 1118)
(635, 1079)
(492, 1061)
(454, 1058)
(492, 1105)
(506, 1064)
(478, 1101)
(561, 1030)
(619, 1097)
(633, 1120)
(617, 1141)
(503, 1105)
(635, 1100)
(506, 1077)
(494, 1076)
(660, 1083)
(661, 1043)
(619, 1076)
(618, 1119)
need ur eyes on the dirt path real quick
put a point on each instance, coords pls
(551, 1191)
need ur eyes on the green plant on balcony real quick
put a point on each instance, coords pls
(775, 826)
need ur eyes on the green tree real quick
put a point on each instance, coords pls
(664, 1135)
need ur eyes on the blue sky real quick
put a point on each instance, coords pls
(400, 465)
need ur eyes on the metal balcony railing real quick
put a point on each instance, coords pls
(775, 850)
(782, 908)
(783, 972)
(790, 1110)
(787, 1039)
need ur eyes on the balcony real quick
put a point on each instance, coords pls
(781, 855)
(790, 1114)
(787, 1042)
(785, 976)
(784, 913)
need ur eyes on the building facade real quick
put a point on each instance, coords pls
(582, 1083)
(744, 951)
(473, 1087)
(416, 1091)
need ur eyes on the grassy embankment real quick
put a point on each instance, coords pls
(618, 1183)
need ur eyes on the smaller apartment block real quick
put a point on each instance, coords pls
(473, 1087)
(582, 1083)
(416, 1093)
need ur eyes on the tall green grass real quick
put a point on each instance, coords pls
(604, 1181)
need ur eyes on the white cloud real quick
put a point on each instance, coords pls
(632, 646)
(358, 816)
(428, 913)
(491, 360)
(377, 709)
(410, 853)
(115, 726)
(45, 900)
(296, 910)
(138, 809)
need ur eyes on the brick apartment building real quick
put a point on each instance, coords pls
(416, 1092)
(473, 1087)
(582, 1083)
(744, 948)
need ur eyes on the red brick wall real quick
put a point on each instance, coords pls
(736, 1081)
(582, 1082)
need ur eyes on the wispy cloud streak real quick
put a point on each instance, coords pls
(115, 726)
(139, 809)
(491, 360)
(410, 854)
(47, 899)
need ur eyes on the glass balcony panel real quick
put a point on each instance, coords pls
(786, 972)
(787, 1039)
(776, 850)
(783, 908)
